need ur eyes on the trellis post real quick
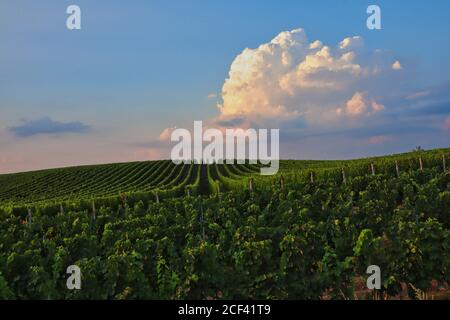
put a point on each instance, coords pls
(344, 177)
(372, 167)
(397, 168)
(123, 197)
(94, 211)
(30, 216)
(202, 218)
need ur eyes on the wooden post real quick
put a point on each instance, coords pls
(250, 184)
(123, 206)
(420, 163)
(397, 168)
(157, 196)
(372, 167)
(61, 209)
(189, 192)
(30, 216)
(312, 177)
(202, 220)
(92, 217)
(218, 187)
(344, 178)
(282, 183)
(94, 211)
(122, 200)
(443, 163)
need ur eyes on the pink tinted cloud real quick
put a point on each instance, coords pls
(446, 125)
(11, 161)
(166, 134)
(378, 139)
(147, 154)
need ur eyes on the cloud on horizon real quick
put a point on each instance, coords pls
(47, 126)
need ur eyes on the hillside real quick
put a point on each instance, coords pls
(99, 181)
(153, 230)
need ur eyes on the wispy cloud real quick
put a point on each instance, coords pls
(417, 95)
(47, 126)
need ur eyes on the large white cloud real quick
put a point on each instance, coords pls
(292, 77)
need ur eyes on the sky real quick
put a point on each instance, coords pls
(114, 90)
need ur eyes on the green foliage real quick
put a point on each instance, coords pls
(298, 240)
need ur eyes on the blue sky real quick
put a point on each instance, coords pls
(139, 67)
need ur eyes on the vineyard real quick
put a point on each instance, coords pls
(155, 230)
(103, 181)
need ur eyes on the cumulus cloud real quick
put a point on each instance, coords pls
(47, 126)
(351, 43)
(329, 100)
(360, 104)
(397, 65)
(291, 77)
